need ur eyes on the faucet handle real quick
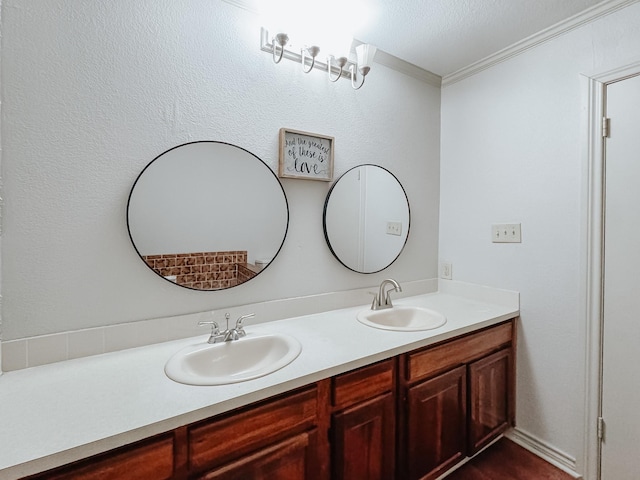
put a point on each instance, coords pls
(240, 320)
(375, 303)
(215, 330)
(240, 326)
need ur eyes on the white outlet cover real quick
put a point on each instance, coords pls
(446, 272)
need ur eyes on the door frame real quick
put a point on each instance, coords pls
(594, 271)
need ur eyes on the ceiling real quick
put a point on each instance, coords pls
(445, 36)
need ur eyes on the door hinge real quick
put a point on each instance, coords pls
(600, 428)
(605, 127)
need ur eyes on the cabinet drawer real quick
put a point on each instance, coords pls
(139, 461)
(220, 440)
(362, 384)
(291, 459)
(432, 360)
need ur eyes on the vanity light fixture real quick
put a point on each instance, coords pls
(336, 68)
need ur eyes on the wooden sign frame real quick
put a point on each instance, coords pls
(305, 155)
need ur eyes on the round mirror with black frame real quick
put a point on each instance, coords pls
(366, 218)
(207, 215)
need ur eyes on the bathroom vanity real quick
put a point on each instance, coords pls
(358, 402)
(420, 412)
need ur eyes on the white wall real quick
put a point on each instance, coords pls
(92, 91)
(1, 100)
(513, 150)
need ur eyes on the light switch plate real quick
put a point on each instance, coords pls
(394, 228)
(506, 233)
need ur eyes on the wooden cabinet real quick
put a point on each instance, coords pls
(457, 398)
(152, 458)
(490, 398)
(363, 423)
(436, 417)
(410, 417)
(291, 459)
(429, 361)
(276, 439)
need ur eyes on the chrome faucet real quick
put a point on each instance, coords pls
(378, 302)
(215, 336)
(238, 331)
(229, 334)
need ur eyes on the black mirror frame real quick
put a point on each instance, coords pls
(286, 201)
(324, 219)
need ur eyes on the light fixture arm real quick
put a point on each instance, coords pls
(280, 39)
(341, 62)
(313, 53)
(352, 69)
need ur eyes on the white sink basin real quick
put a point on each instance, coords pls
(402, 318)
(244, 359)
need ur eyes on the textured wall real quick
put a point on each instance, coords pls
(513, 150)
(92, 91)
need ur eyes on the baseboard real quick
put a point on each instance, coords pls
(468, 459)
(547, 452)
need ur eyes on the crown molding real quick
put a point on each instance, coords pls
(589, 15)
(402, 66)
(244, 4)
(381, 57)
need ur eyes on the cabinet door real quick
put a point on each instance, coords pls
(292, 459)
(436, 424)
(363, 440)
(489, 395)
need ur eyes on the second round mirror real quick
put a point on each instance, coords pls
(366, 218)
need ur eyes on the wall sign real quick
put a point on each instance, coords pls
(305, 155)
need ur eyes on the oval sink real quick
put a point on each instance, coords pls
(402, 318)
(240, 360)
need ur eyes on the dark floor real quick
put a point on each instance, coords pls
(506, 460)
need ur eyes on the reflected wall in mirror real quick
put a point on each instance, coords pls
(366, 218)
(207, 215)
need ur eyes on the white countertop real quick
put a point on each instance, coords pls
(58, 413)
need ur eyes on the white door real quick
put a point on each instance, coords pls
(621, 333)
